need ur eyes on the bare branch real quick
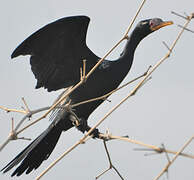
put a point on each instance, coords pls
(168, 158)
(166, 45)
(12, 110)
(166, 153)
(134, 18)
(110, 163)
(110, 93)
(186, 28)
(26, 105)
(84, 70)
(150, 147)
(175, 157)
(179, 15)
(13, 134)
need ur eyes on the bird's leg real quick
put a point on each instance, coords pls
(82, 125)
(95, 133)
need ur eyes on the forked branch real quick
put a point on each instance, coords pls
(29, 113)
(175, 157)
(157, 149)
(111, 166)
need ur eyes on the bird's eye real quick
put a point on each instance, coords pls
(155, 22)
(151, 23)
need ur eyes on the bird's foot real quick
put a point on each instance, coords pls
(82, 125)
(79, 123)
(95, 133)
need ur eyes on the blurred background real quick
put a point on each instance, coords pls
(161, 112)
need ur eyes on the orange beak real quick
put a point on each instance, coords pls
(162, 24)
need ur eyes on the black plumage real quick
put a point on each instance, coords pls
(57, 52)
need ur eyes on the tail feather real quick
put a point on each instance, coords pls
(35, 153)
(40, 149)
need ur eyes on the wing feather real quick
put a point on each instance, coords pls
(57, 51)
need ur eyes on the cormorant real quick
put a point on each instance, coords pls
(56, 54)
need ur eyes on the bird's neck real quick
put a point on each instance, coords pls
(125, 61)
(130, 47)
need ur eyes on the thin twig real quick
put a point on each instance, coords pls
(186, 28)
(84, 71)
(166, 153)
(81, 74)
(134, 18)
(12, 110)
(168, 158)
(123, 38)
(110, 163)
(166, 45)
(24, 138)
(110, 93)
(149, 146)
(13, 134)
(177, 14)
(97, 177)
(166, 56)
(26, 105)
(175, 157)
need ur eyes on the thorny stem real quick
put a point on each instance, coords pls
(121, 102)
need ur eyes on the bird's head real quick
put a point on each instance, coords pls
(148, 26)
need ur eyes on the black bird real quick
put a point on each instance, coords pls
(57, 52)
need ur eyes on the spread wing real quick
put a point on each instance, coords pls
(57, 51)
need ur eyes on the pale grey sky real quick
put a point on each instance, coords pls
(161, 112)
